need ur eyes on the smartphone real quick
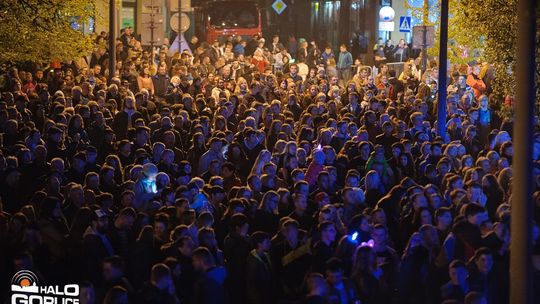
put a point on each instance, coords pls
(224, 150)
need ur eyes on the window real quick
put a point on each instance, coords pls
(233, 15)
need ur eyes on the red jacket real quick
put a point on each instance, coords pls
(478, 85)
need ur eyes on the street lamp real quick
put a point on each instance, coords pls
(112, 38)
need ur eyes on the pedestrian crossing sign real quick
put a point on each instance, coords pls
(279, 6)
(405, 24)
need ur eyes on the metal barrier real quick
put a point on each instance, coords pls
(374, 71)
(357, 68)
(396, 66)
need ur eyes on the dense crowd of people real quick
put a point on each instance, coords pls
(237, 172)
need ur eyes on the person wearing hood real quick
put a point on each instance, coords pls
(145, 188)
(209, 286)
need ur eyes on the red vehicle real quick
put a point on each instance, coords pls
(218, 20)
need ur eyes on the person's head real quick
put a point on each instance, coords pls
(161, 276)
(483, 259)
(423, 216)
(203, 259)
(207, 238)
(100, 221)
(457, 271)
(474, 191)
(316, 284)
(185, 246)
(334, 271)
(328, 231)
(87, 293)
(419, 200)
(150, 171)
(475, 297)
(378, 216)
(269, 201)
(239, 224)
(161, 222)
(293, 68)
(443, 217)
(365, 259)
(261, 241)
(289, 229)
(254, 183)
(113, 268)
(379, 235)
(300, 203)
(475, 214)
(343, 48)
(162, 70)
(483, 102)
(126, 218)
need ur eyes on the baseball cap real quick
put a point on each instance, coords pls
(99, 214)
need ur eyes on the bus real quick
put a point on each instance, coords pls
(221, 19)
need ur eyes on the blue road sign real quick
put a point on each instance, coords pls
(405, 24)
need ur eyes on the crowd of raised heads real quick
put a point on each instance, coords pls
(257, 172)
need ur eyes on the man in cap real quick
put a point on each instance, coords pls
(96, 245)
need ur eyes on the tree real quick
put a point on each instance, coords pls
(463, 45)
(488, 30)
(41, 30)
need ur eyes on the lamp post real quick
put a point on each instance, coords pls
(425, 20)
(522, 204)
(179, 33)
(112, 38)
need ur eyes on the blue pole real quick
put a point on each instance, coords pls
(443, 67)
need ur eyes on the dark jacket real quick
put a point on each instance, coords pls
(209, 287)
(260, 279)
(468, 239)
(150, 294)
(335, 296)
(450, 291)
(236, 251)
(95, 251)
(120, 124)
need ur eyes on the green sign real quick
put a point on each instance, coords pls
(128, 17)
